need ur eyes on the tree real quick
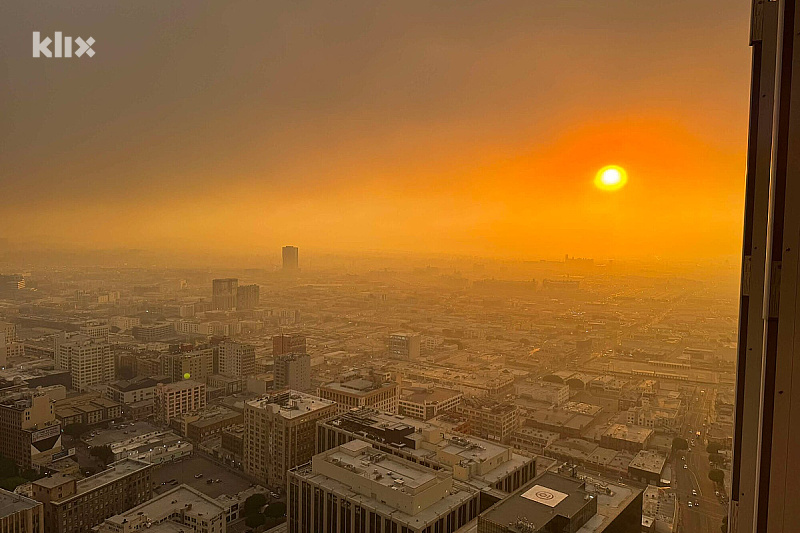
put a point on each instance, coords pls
(275, 510)
(75, 430)
(254, 503)
(8, 468)
(255, 520)
(716, 459)
(713, 447)
(716, 475)
(679, 443)
(103, 453)
(11, 483)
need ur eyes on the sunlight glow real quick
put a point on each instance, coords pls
(611, 178)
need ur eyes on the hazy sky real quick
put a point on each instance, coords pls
(453, 126)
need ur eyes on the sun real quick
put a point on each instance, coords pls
(611, 178)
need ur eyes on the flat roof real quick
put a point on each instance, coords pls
(11, 503)
(291, 404)
(166, 504)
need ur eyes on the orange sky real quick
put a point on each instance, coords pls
(455, 127)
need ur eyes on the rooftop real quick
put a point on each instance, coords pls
(291, 404)
(628, 433)
(160, 507)
(11, 502)
(430, 395)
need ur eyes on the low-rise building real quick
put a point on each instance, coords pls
(88, 409)
(647, 467)
(623, 437)
(533, 439)
(425, 403)
(74, 505)
(362, 392)
(490, 419)
(19, 514)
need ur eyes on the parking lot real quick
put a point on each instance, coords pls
(185, 470)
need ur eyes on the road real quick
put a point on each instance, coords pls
(707, 517)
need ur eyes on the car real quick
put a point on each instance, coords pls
(209, 481)
(683, 458)
(694, 492)
(690, 504)
(198, 476)
(697, 503)
(685, 467)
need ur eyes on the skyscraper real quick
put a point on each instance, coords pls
(293, 371)
(223, 293)
(290, 258)
(247, 296)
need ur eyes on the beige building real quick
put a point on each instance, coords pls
(424, 403)
(19, 514)
(183, 507)
(360, 392)
(173, 399)
(198, 365)
(74, 505)
(31, 432)
(237, 359)
(280, 433)
(490, 419)
(89, 360)
(355, 487)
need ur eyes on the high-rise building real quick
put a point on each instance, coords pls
(237, 359)
(247, 296)
(73, 505)
(404, 346)
(31, 434)
(476, 462)
(280, 433)
(355, 487)
(173, 399)
(293, 371)
(89, 361)
(223, 294)
(282, 344)
(291, 261)
(197, 364)
(19, 514)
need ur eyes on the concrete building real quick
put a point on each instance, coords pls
(184, 508)
(197, 364)
(291, 258)
(555, 394)
(153, 332)
(533, 439)
(554, 503)
(74, 505)
(292, 371)
(622, 437)
(31, 433)
(95, 329)
(174, 399)
(647, 467)
(357, 488)
(490, 419)
(88, 409)
(360, 392)
(280, 433)
(201, 426)
(237, 359)
(283, 344)
(404, 346)
(137, 396)
(223, 294)
(89, 361)
(487, 466)
(425, 403)
(19, 514)
(247, 297)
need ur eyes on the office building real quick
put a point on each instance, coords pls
(279, 433)
(180, 509)
(173, 399)
(223, 294)
(425, 403)
(283, 344)
(404, 346)
(291, 260)
(477, 462)
(292, 371)
(357, 488)
(623, 437)
(89, 361)
(553, 503)
(73, 505)
(153, 332)
(137, 396)
(555, 394)
(247, 297)
(88, 409)
(95, 329)
(360, 392)
(237, 359)
(31, 433)
(197, 365)
(490, 419)
(19, 514)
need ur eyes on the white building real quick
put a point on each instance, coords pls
(174, 399)
(89, 361)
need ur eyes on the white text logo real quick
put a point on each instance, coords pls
(62, 46)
